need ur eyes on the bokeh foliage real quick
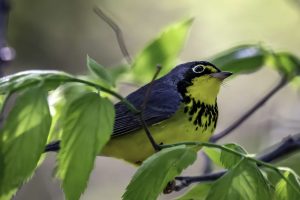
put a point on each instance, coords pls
(78, 115)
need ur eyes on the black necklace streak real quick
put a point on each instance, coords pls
(210, 112)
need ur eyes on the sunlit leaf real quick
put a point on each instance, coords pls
(229, 160)
(241, 59)
(100, 71)
(9, 195)
(2, 100)
(163, 50)
(285, 191)
(23, 138)
(198, 192)
(214, 154)
(87, 126)
(223, 158)
(154, 174)
(60, 99)
(49, 78)
(244, 181)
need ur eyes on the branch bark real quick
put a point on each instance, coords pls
(289, 145)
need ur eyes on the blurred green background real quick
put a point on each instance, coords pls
(59, 34)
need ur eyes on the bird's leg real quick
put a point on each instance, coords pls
(147, 94)
(155, 146)
(171, 186)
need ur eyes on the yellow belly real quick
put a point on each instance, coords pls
(135, 147)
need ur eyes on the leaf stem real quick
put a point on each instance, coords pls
(77, 80)
(103, 89)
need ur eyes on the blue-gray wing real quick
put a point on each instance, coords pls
(163, 102)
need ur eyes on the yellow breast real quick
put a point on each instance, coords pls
(135, 147)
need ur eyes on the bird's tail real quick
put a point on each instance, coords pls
(53, 146)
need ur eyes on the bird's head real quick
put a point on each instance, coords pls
(199, 80)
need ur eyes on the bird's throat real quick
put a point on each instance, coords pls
(202, 115)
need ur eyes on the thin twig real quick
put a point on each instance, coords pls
(284, 148)
(131, 107)
(252, 110)
(117, 31)
(158, 69)
(148, 91)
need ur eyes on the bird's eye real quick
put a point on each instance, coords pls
(198, 69)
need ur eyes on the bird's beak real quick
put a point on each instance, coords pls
(221, 75)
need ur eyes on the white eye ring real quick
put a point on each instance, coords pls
(198, 69)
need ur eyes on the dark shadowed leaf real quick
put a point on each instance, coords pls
(244, 181)
(198, 192)
(49, 78)
(154, 174)
(241, 59)
(86, 128)
(23, 138)
(285, 191)
(99, 71)
(163, 50)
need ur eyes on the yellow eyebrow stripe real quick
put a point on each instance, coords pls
(212, 69)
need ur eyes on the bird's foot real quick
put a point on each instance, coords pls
(170, 187)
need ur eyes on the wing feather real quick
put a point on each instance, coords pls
(163, 102)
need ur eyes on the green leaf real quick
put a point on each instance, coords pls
(163, 50)
(241, 59)
(244, 181)
(9, 195)
(155, 173)
(23, 138)
(198, 192)
(229, 160)
(87, 126)
(49, 78)
(118, 71)
(214, 154)
(286, 63)
(100, 71)
(285, 191)
(223, 158)
(60, 99)
(2, 100)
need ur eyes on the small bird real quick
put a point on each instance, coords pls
(181, 106)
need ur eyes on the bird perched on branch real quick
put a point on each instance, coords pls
(180, 106)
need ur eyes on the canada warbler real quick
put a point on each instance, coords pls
(181, 106)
